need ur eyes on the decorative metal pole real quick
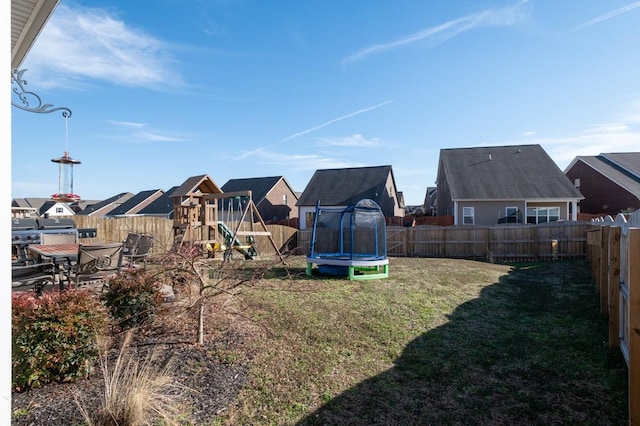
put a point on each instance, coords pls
(31, 102)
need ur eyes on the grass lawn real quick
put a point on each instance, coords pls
(440, 341)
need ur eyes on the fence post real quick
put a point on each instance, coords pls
(604, 270)
(634, 325)
(614, 286)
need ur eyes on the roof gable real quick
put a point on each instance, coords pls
(621, 168)
(503, 173)
(344, 187)
(196, 185)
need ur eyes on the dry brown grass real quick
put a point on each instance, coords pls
(137, 391)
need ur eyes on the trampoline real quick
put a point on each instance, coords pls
(349, 241)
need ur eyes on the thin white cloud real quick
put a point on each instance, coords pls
(506, 16)
(351, 141)
(527, 134)
(302, 162)
(157, 137)
(128, 124)
(606, 16)
(592, 140)
(82, 44)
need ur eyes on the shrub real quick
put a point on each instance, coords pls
(132, 297)
(53, 337)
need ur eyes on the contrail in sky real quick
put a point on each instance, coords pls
(320, 126)
(304, 132)
(609, 15)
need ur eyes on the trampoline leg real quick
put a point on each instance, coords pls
(352, 272)
(309, 267)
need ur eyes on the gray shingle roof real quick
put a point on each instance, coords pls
(128, 206)
(344, 187)
(504, 173)
(163, 206)
(621, 168)
(259, 187)
(104, 204)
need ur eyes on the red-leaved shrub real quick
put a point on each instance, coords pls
(54, 337)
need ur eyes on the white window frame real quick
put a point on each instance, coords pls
(512, 209)
(466, 215)
(546, 217)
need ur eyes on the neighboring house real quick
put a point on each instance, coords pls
(136, 203)
(610, 182)
(55, 209)
(103, 207)
(429, 205)
(503, 184)
(345, 187)
(273, 196)
(160, 207)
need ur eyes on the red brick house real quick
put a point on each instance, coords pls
(610, 183)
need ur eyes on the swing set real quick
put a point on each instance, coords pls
(234, 215)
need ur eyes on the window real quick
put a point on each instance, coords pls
(59, 210)
(576, 183)
(467, 215)
(309, 219)
(543, 214)
(511, 214)
(284, 199)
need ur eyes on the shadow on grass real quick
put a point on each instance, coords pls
(530, 350)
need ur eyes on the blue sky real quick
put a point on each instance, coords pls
(238, 89)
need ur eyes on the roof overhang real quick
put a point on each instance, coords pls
(28, 17)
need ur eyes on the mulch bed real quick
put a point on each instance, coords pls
(212, 382)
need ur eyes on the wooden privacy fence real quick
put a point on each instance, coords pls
(557, 240)
(111, 230)
(614, 253)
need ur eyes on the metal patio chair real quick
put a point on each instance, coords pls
(35, 275)
(140, 251)
(96, 263)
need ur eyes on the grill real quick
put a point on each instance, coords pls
(27, 231)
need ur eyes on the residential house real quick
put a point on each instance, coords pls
(160, 207)
(273, 197)
(609, 182)
(53, 208)
(345, 187)
(503, 184)
(103, 207)
(429, 206)
(136, 203)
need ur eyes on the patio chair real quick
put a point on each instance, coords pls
(96, 263)
(36, 275)
(130, 244)
(140, 251)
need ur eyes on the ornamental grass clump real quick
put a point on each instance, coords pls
(53, 337)
(138, 390)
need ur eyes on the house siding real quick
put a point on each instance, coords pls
(271, 207)
(602, 195)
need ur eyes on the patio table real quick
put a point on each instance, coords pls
(60, 254)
